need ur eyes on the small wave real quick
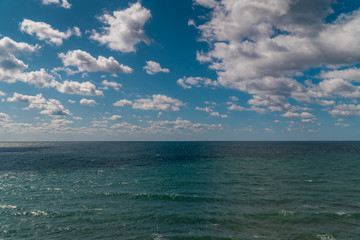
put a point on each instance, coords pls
(4, 206)
(325, 237)
(286, 213)
(38, 212)
(34, 213)
(53, 189)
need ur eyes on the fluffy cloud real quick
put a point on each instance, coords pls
(11, 68)
(84, 88)
(154, 67)
(298, 115)
(125, 28)
(179, 125)
(114, 85)
(45, 32)
(51, 107)
(84, 62)
(188, 82)
(352, 74)
(346, 110)
(60, 3)
(157, 102)
(122, 103)
(88, 102)
(211, 112)
(114, 117)
(340, 87)
(4, 117)
(259, 47)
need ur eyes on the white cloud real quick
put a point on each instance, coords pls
(157, 102)
(179, 125)
(154, 67)
(234, 107)
(51, 107)
(207, 3)
(188, 82)
(4, 117)
(114, 85)
(84, 88)
(233, 98)
(340, 87)
(45, 32)
(84, 62)
(346, 110)
(352, 74)
(342, 124)
(11, 68)
(211, 112)
(2, 94)
(125, 28)
(298, 115)
(258, 46)
(71, 101)
(88, 102)
(122, 103)
(60, 3)
(114, 117)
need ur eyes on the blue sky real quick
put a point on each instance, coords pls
(179, 70)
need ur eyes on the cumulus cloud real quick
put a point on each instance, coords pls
(114, 117)
(352, 74)
(188, 82)
(340, 87)
(4, 117)
(298, 115)
(45, 32)
(113, 85)
(84, 62)
(157, 102)
(346, 110)
(84, 88)
(154, 67)
(125, 28)
(179, 125)
(11, 68)
(88, 102)
(122, 103)
(60, 3)
(51, 107)
(260, 47)
(211, 112)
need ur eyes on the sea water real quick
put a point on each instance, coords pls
(180, 190)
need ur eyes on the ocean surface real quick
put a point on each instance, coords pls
(180, 190)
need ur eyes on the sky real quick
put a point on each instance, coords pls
(117, 70)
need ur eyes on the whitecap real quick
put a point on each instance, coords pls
(3, 206)
(325, 237)
(286, 213)
(38, 212)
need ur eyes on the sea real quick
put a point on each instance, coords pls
(180, 190)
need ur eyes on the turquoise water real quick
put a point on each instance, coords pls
(180, 190)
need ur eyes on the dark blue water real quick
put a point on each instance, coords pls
(180, 190)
